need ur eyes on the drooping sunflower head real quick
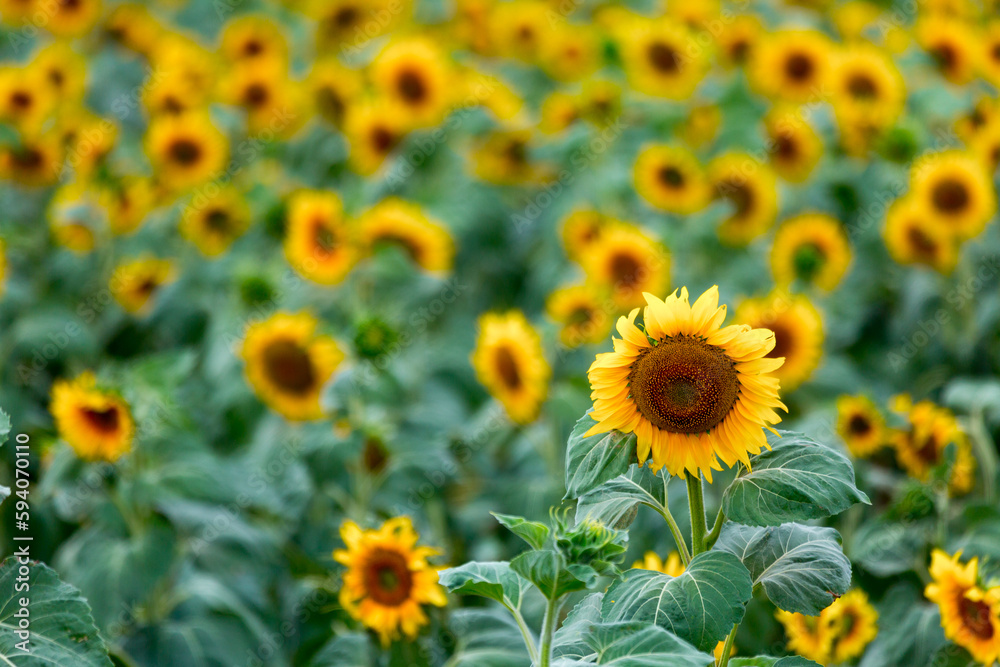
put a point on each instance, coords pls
(861, 425)
(751, 188)
(318, 243)
(921, 445)
(214, 221)
(510, 363)
(417, 77)
(670, 178)
(254, 38)
(793, 145)
(388, 578)
(661, 58)
(797, 328)
(854, 625)
(404, 225)
(627, 262)
(955, 188)
(952, 45)
(811, 248)
(135, 283)
(694, 393)
(970, 614)
(792, 65)
(913, 236)
(288, 364)
(671, 565)
(185, 149)
(95, 422)
(582, 312)
(808, 636)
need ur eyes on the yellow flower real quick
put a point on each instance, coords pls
(26, 99)
(274, 103)
(798, 333)
(510, 363)
(865, 82)
(71, 19)
(792, 65)
(388, 578)
(570, 52)
(701, 125)
(694, 392)
(662, 58)
(600, 101)
(16, 12)
(213, 221)
(62, 69)
(652, 561)
(317, 242)
(559, 111)
(970, 615)
(737, 39)
(288, 364)
(254, 38)
(518, 28)
(582, 313)
(861, 425)
(956, 190)
(416, 77)
(134, 283)
(394, 222)
(127, 202)
(854, 623)
(953, 46)
(88, 140)
(96, 423)
(813, 248)
(989, 61)
(182, 64)
(808, 636)
(347, 25)
(793, 144)
(580, 230)
(913, 236)
(627, 263)
(670, 178)
(986, 146)
(131, 25)
(185, 149)
(503, 157)
(373, 129)
(36, 162)
(333, 88)
(921, 445)
(751, 187)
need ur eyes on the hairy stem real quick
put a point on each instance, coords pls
(720, 519)
(696, 503)
(548, 629)
(529, 640)
(675, 530)
(727, 648)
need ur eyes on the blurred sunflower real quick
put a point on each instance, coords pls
(581, 229)
(694, 393)
(16, 12)
(131, 25)
(503, 157)
(127, 202)
(854, 623)
(70, 18)
(510, 363)
(661, 58)
(956, 190)
(274, 103)
(26, 99)
(808, 636)
(797, 329)
(793, 145)
(600, 101)
(517, 29)
(570, 52)
(986, 147)
(701, 126)
(134, 283)
(670, 178)
(737, 39)
(913, 236)
(373, 128)
(582, 312)
(63, 69)
(187, 66)
(318, 243)
(347, 25)
(627, 263)
(333, 87)
(288, 364)
(96, 423)
(989, 61)
(388, 578)
(35, 162)
(952, 45)
(812, 248)
(865, 82)
(416, 77)
(792, 65)
(861, 425)
(751, 188)
(213, 221)
(185, 149)
(76, 217)
(401, 224)
(559, 110)
(254, 38)
(970, 614)
(921, 445)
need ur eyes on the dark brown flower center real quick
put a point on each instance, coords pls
(663, 57)
(256, 95)
(325, 238)
(346, 16)
(684, 385)
(105, 421)
(21, 100)
(739, 50)
(412, 86)
(671, 177)
(927, 450)
(861, 86)
(217, 220)
(859, 425)
(922, 245)
(786, 147)
(945, 55)
(739, 193)
(976, 617)
(252, 47)
(799, 67)
(387, 576)
(784, 339)
(625, 270)
(506, 365)
(288, 366)
(185, 151)
(950, 196)
(383, 139)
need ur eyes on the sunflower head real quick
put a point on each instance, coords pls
(404, 225)
(861, 425)
(970, 614)
(921, 445)
(913, 236)
(95, 422)
(808, 636)
(510, 363)
(583, 313)
(792, 65)
(318, 243)
(661, 58)
(416, 76)
(212, 222)
(854, 625)
(751, 189)
(670, 178)
(185, 149)
(811, 248)
(954, 188)
(135, 283)
(626, 262)
(798, 332)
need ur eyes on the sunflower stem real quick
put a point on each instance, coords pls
(720, 519)
(548, 630)
(529, 640)
(727, 648)
(675, 530)
(696, 503)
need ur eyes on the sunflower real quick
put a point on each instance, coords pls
(854, 623)
(582, 313)
(970, 614)
(986, 146)
(861, 425)
(627, 263)
(212, 222)
(26, 100)
(131, 25)
(692, 392)
(865, 82)
(333, 88)
(170, 92)
(96, 423)
(70, 18)
(559, 111)
(672, 566)
(35, 162)
(670, 178)
(662, 58)
(471, 25)
(414, 74)
(195, 68)
(797, 329)
(347, 25)
(952, 44)
(134, 283)
(274, 103)
(373, 128)
(989, 61)
(318, 244)
(751, 187)
(287, 364)
(394, 222)
(580, 230)
(913, 236)
(853, 18)
(517, 29)
(701, 126)
(737, 39)
(388, 578)
(793, 144)
(185, 149)
(808, 636)
(62, 69)
(792, 65)
(600, 101)
(503, 157)
(492, 93)
(570, 52)
(921, 445)
(812, 248)
(956, 190)
(253, 38)
(510, 363)
(127, 202)
(16, 12)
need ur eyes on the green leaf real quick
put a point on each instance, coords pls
(799, 567)
(613, 503)
(546, 569)
(768, 661)
(913, 635)
(888, 548)
(637, 645)
(569, 640)
(591, 461)
(347, 650)
(798, 479)
(700, 606)
(62, 629)
(486, 638)
(532, 532)
(496, 581)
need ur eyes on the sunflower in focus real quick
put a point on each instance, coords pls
(921, 445)
(793, 145)
(388, 578)
(661, 58)
(582, 312)
(694, 392)
(812, 248)
(751, 187)
(394, 222)
(185, 149)
(861, 425)
(134, 283)
(510, 363)
(672, 565)
(212, 222)
(791, 65)
(318, 243)
(558, 111)
(95, 422)
(797, 329)
(970, 613)
(956, 190)
(670, 178)
(288, 364)
(952, 45)
(913, 236)
(989, 61)
(627, 263)
(580, 230)
(417, 78)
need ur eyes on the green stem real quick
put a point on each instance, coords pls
(548, 630)
(727, 648)
(675, 530)
(696, 503)
(529, 641)
(720, 519)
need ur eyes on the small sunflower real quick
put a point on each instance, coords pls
(751, 187)
(127, 202)
(193, 68)
(344, 25)
(287, 364)
(627, 263)
(274, 103)
(797, 329)
(63, 70)
(861, 425)
(559, 111)
(503, 157)
(737, 39)
(582, 313)
(131, 25)
(394, 222)
(510, 363)
(672, 565)
(186, 149)
(253, 38)
(35, 162)
(570, 52)
(970, 614)
(694, 393)
(71, 18)
(26, 101)
(213, 221)
(661, 58)
(812, 248)
(808, 636)
(333, 88)
(580, 230)
(955, 189)
(952, 44)
(854, 622)
(388, 578)
(701, 126)
(670, 178)
(134, 283)
(793, 144)
(921, 445)
(792, 65)
(913, 236)
(416, 76)
(96, 423)
(318, 243)
(374, 129)
(600, 101)
(864, 81)
(517, 29)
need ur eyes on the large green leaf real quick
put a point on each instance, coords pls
(62, 631)
(547, 570)
(800, 568)
(636, 645)
(496, 581)
(798, 479)
(532, 532)
(700, 606)
(570, 638)
(594, 460)
(613, 502)
(486, 638)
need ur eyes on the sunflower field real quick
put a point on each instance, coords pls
(499, 333)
